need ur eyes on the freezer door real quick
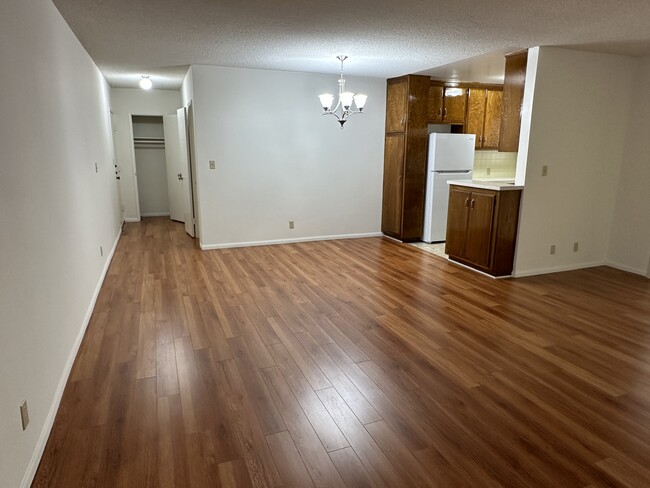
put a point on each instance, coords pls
(435, 214)
(451, 152)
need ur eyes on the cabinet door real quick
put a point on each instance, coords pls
(455, 105)
(513, 96)
(492, 119)
(391, 215)
(436, 94)
(457, 215)
(479, 228)
(396, 105)
(476, 114)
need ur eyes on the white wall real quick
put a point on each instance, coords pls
(124, 103)
(630, 237)
(55, 212)
(278, 159)
(187, 88)
(577, 128)
(153, 192)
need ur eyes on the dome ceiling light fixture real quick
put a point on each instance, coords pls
(145, 82)
(343, 108)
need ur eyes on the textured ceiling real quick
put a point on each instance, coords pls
(161, 38)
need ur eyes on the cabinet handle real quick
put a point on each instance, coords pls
(467, 202)
(440, 112)
(445, 112)
(472, 205)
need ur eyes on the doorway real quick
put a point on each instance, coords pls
(151, 165)
(161, 167)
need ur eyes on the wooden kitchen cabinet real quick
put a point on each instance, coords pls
(396, 105)
(447, 105)
(492, 127)
(482, 228)
(513, 97)
(436, 97)
(454, 105)
(393, 184)
(405, 157)
(484, 116)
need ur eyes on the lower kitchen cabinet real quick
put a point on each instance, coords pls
(482, 228)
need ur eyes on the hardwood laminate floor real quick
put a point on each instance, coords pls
(355, 363)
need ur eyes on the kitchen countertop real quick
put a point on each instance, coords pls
(497, 185)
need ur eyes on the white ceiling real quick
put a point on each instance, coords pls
(161, 38)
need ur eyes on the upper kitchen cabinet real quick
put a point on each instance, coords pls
(454, 105)
(513, 96)
(484, 116)
(405, 157)
(436, 96)
(397, 104)
(447, 105)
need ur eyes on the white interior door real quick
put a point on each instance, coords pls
(174, 169)
(188, 208)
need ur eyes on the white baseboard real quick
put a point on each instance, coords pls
(629, 269)
(58, 394)
(557, 269)
(207, 247)
(131, 219)
(155, 214)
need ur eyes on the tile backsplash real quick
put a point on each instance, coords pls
(499, 165)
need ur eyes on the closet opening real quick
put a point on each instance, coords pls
(151, 165)
(162, 170)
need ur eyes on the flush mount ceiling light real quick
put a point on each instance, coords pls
(145, 83)
(343, 108)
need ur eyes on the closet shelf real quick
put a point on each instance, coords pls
(149, 141)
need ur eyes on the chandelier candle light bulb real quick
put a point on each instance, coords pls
(343, 108)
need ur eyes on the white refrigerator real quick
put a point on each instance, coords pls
(451, 157)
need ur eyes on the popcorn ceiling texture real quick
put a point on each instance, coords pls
(127, 38)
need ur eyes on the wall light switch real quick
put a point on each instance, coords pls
(544, 170)
(213, 164)
(552, 248)
(291, 224)
(575, 246)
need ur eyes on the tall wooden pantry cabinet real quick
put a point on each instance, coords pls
(405, 157)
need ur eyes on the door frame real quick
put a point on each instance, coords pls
(191, 159)
(135, 168)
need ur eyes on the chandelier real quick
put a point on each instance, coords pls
(343, 108)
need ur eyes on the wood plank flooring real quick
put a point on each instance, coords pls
(356, 363)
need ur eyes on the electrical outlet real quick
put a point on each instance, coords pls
(213, 164)
(291, 224)
(101, 250)
(552, 248)
(575, 246)
(487, 171)
(24, 414)
(544, 170)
